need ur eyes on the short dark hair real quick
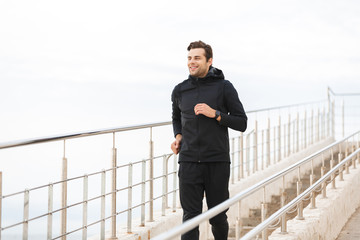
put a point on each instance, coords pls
(201, 44)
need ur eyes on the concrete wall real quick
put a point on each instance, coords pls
(330, 215)
(164, 223)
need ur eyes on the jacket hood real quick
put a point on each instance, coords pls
(213, 74)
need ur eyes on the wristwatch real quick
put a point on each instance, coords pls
(217, 114)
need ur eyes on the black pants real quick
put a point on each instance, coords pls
(194, 180)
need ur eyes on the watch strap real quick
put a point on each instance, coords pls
(217, 114)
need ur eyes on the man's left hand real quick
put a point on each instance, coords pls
(204, 109)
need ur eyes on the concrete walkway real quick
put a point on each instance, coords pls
(351, 230)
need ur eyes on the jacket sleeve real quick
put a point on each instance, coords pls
(176, 113)
(236, 117)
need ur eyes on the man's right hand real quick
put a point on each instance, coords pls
(175, 146)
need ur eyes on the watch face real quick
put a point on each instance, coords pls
(217, 114)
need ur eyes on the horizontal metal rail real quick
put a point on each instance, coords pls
(79, 135)
(342, 94)
(119, 129)
(194, 222)
(257, 230)
(286, 106)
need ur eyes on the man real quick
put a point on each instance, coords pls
(203, 107)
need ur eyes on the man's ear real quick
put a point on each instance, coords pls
(209, 62)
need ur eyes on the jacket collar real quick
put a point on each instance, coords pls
(212, 75)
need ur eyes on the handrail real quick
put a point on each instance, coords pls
(342, 94)
(296, 200)
(285, 106)
(79, 134)
(38, 140)
(192, 223)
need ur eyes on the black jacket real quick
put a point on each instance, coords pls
(205, 139)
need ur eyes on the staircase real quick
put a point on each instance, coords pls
(254, 218)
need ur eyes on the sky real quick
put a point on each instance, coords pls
(81, 65)
(69, 66)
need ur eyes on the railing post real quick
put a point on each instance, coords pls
(174, 183)
(0, 201)
(26, 215)
(238, 227)
(275, 150)
(233, 160)
(129, 212)
(289, 136)
(283, 217)
(300, 206)
(294, 136)
(341, 177)
(164, 187)
(279, 140)
(312, 176)
(113, 190)
(333, 119)
(353, 148)
(328, 114)
(322, 174)
(323, 124)
(64, 196)
(143, 185)
(347, 153)
(318, 126)
(343, 118)
(285, 143)
(312, 127)
(85, 206)
(50, 209)
(358, 146)
(297, 132)
(248, 154)
(323, 184)
(102, 213)
(151, 176)
(255, 148)
(305, 137)
(263, 215)
(354, 162)
(241, 156)
(268, 144)
(333, 185)
(313, 200)
(298, 190)
(262, 150)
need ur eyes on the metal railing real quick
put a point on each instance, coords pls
(85, 178)
(266, 143)
(310, 191)
(347, 109)
(262, 228)
(276, 136)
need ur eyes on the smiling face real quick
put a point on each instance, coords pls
(198, 66)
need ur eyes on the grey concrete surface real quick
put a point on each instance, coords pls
(351, 230)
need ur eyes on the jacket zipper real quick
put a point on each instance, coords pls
(197, 121)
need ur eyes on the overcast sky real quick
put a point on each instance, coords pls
(75, 65)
